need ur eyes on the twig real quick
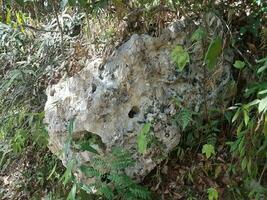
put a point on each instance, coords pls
(59, 26)
(37, 29)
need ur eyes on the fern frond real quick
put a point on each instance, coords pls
(106, 192)
(90, 171)
(121, 160)
(121, 180)
(140, 192)
(99, 163)
(185, 117)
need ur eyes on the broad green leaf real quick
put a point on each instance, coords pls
(180, 56)
(213, 52)
(86, 146)
(143, 138)
(213, 194)
(236, 115)
(246, 117)
(199, 34)
(263, 105)
(263, 68)
(72, 193)
(239, 64)
(8, 16)
(262, 92)
(208, 149)
(66, 177)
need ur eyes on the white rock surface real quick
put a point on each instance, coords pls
(136, 85)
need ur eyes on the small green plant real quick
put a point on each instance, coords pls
(180, 56)
(212, 194)
(143, 138)
(107, 171)
(208, 150)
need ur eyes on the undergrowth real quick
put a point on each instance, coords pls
(43, 41)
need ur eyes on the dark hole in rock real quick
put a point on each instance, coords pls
(167, 135)
(133, 112)
(86, 138)
(93, 88)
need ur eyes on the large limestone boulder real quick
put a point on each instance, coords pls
(136, 85)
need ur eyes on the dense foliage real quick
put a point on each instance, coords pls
(222, 153)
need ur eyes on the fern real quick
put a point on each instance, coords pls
(106, 191)
(110, 169)
(120, 159)
(90, 171)
(185, 117)
(140, 192)
(121, 180)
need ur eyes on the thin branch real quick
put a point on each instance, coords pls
(37, 29)
(60, 27)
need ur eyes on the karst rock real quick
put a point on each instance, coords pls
(138, 84)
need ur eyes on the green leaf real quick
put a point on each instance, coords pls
(214, 51)
(66, 177)
(263, 105)
(239, 64)
(142, 138)
(246, 117)
(199, 34)
(106, 191)
(236, 115)
(208, 149)
(8, 16)
(180, 57)
(72, 193)
(213, 194)
(86, 146)
(186, 117)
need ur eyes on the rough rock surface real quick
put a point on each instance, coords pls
(137, 84)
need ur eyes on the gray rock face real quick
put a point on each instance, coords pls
(138, 84)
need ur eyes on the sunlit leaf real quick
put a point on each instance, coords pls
(142, 138)
(8, 16)
(263, 105)
(239, 64)
(213, 194)
(180, 56)
(72, 193)
(246, 117)
(208, 149)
